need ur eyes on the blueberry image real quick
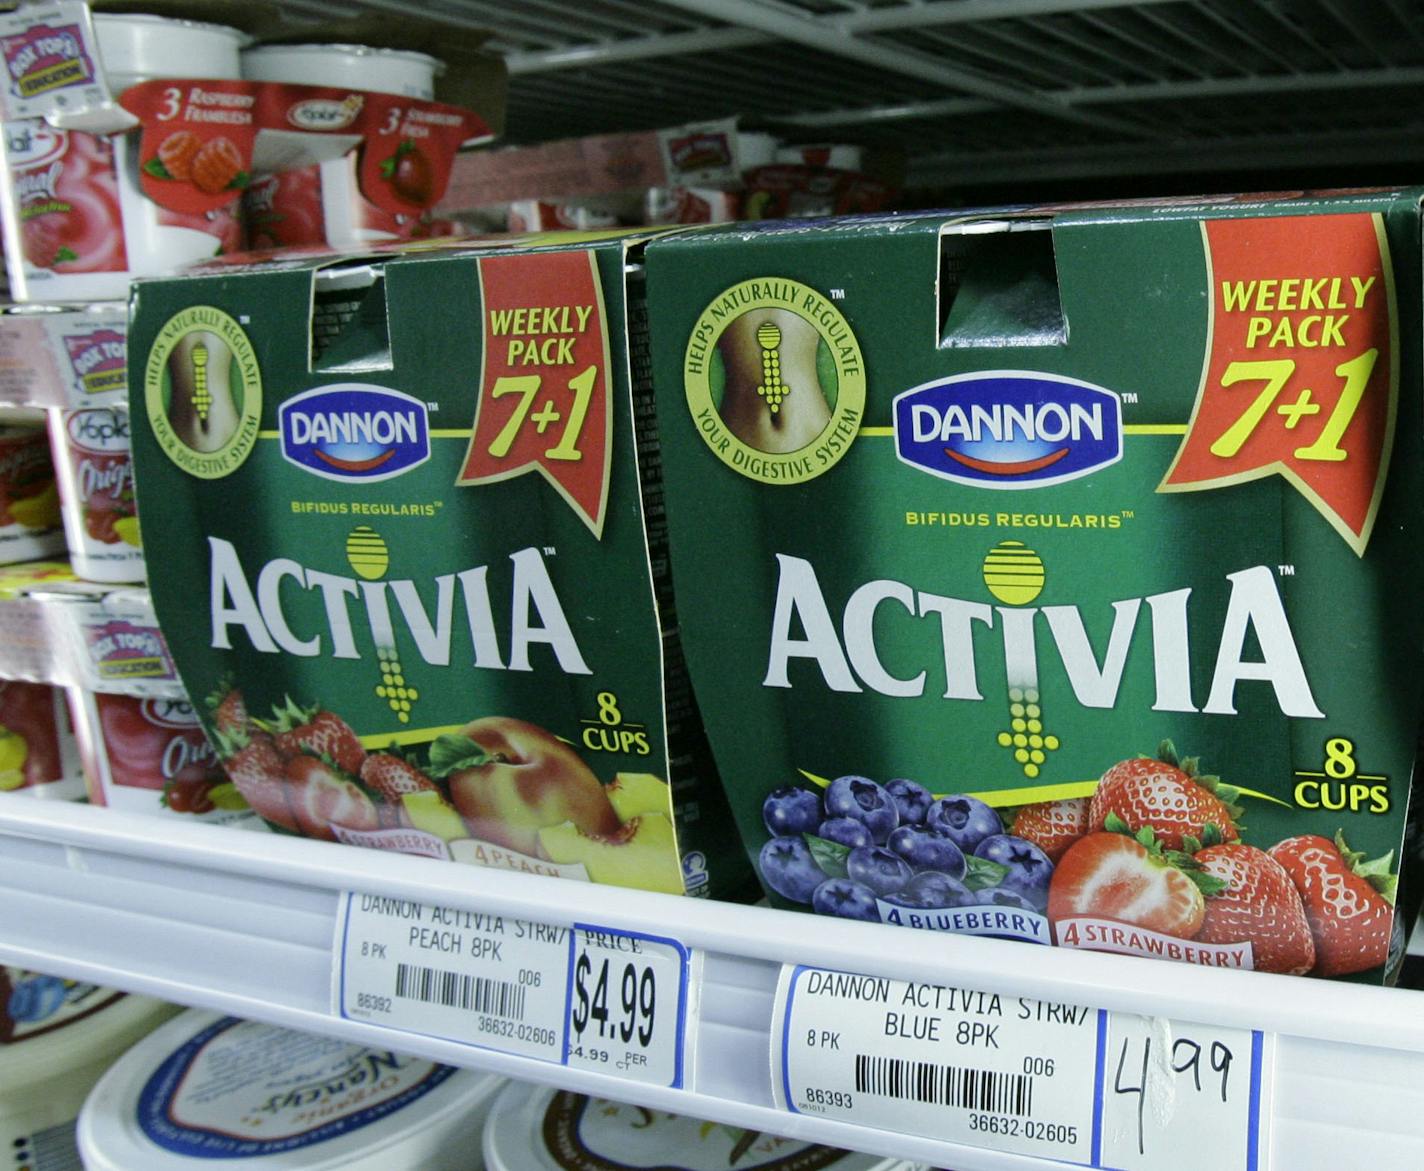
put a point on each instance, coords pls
(867, 802)
(845, 830)
(998, 896)
(1029, 867)
(845, 899)
(882, 870)
(931, 891)
(924, 849)
(789, 869)
(790, 810)
(967, 820)
(912, 800)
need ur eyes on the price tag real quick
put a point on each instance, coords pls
(584, 996)
(1009, 1073)
(955, 1064)
(616, 1023)
(1170, 1087)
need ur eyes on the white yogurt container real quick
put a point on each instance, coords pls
(29, 498)
(323, 204)
(94, 469)
(76, 224)
(532, 1128)
(358, 67)
(57, 1038)
(39, 754)
(211, 1091)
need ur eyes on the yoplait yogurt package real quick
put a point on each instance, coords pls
(1046, 574)
(419, 592)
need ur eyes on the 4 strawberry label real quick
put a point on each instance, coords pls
(1061, 591)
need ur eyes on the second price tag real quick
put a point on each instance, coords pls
(588, 997)
(1009, 1073)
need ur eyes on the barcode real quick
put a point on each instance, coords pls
(945, 1085)
(457, 990)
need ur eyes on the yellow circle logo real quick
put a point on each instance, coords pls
(775, 380)
(1014, 573)
(366, 552)
(203, 392)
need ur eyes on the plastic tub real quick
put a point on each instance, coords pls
(135, 47)
(29, 499)
(208, 1090)
(96, 493)
(323, 204)
(57, 1038)
(532, 1128)
(76, 224)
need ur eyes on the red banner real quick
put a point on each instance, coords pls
(1301, 377)
(544, 400)
(201, 140)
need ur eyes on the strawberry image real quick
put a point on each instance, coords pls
(1259, 906)
(228, 710)
(322, 797)
(410, 174)
(316, 732)
(1053, 826)
(390, 777)
(1115, 876)
(257, 771)
(1168, 796)
(1349, 902)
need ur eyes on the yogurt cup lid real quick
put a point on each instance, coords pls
(114, 19)
(252, 1097)
(537, 1129)
(413, 56)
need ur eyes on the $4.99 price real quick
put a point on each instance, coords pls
(634, 1013)
(628, 1005)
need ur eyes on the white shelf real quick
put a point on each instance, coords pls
(244, 923)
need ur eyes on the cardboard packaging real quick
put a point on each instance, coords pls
(414, 568)
(1044, 573)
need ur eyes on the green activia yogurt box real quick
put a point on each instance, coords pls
(410, 573)
(1052, 574)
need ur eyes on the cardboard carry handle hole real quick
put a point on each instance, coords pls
(998, 287)
(350, 328)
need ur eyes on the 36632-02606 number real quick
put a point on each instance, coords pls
(499, 1027)
(1044, 1132)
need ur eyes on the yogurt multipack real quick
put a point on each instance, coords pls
(413, 580)
(1048, 573)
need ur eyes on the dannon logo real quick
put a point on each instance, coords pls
(1008, 428)
(354, 431)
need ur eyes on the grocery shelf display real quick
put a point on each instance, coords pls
(426, 772)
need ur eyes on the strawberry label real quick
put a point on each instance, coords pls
(1301, 380)
(203, 141)
(67, 199)
(1037, 569)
